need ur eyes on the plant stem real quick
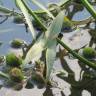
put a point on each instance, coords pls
(85, 61)
(4, 75)
(8, 11)
(89, 7)
(34, 15)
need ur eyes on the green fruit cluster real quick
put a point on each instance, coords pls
(16, 43)
(89, 52)
(18, 19)
(12, 60)
(16, 75)
(14, 63)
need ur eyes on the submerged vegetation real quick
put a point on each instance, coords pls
(51, 24)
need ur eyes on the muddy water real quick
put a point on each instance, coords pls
(73, 81)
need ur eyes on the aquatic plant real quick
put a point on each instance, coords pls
(16, 75)
(12, 60)
(18, 19)
(17, 43)
(48, 37)
(89, 52)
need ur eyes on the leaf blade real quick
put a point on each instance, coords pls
(35, 50)
(50, 58)
(27, 17)
(51, 36)
(55, 27)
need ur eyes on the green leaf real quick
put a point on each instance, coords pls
(43, 8)
(50, 58)
(34, 16)
(16, 3)
(55, 27)
(51, 36)
(35, 50)
(27, 17)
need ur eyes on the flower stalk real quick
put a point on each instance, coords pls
(89, 7)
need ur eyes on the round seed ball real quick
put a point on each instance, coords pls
(16, 75)
(17, 43)
(18, 19)
(12, 60)
(89, 52)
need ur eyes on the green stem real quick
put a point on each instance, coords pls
(34, 16)
(85, 61)
(84, 21)
(89, 7)
(4, 75)
(61, 5)
(6, 10)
